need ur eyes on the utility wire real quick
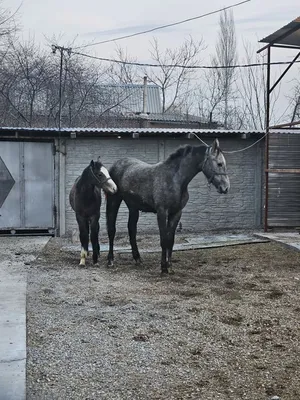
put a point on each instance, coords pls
(162, 26)
(140, 64)
(234, 151)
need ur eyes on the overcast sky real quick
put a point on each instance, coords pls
(96, 20)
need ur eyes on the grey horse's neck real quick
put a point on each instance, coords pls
(188, 162)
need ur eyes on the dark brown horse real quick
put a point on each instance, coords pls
(85, 200)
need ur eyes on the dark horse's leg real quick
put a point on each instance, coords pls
(167, 225)
(95, 237)
(83, 225)
(112, 206)
(132, 228)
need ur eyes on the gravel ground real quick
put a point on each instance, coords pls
(224, 326)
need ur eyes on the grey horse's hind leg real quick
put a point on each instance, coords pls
(112, 207)
(167, 225)
(173, 221)
(132, 229)
(95, 237)
(162, 224)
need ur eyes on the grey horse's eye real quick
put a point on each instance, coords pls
(220, 164)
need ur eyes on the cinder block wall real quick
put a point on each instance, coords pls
(206, 210)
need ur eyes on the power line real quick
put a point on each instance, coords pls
(234, 151)
(162, 26)
(140, 64)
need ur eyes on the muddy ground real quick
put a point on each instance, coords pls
(225, 326)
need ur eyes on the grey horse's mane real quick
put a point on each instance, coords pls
(180, 152)
(183, 151)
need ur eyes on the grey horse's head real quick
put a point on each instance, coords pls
(101, 178)
(214, 168)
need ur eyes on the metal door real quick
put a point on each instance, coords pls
(26, 185)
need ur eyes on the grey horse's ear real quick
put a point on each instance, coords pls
(215, 146)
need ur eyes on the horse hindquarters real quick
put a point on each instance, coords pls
(112, 207)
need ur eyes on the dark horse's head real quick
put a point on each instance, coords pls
(100, 177)
(214, 168)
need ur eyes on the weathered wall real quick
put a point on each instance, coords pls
(206, 209)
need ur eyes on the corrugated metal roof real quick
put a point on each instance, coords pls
(172, 131)
(288, 34)
(130, 97)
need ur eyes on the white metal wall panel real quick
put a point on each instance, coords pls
(30, 202)
(38, 185)
(10, 212)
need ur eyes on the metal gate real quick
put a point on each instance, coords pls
(26, 185)
(283, 174)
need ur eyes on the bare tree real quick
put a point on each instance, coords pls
(174, 73)
(226, 56)
(122, 73)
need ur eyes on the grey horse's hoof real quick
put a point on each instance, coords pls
(167, 271)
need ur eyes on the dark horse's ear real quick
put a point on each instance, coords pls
(215, 148)
(99, 159)
(92, 164)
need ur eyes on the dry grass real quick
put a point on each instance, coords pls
(224, 326)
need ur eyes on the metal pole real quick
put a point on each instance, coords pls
(267, 139)
(60, 87)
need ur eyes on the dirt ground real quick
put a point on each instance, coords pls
(225, 326)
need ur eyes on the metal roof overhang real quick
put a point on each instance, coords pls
(48, 133)
(288, 36)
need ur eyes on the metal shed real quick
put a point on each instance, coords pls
(282, 144)
(73, 148)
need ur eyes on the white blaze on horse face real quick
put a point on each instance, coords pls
(224, 179)
(83, 256)
(109, 185)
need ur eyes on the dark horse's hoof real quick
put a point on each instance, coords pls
(110, 263)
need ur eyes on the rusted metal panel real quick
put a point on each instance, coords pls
(284, 181)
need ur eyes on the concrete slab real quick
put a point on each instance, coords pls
(290, 239)
(15, 251)
(189, 242)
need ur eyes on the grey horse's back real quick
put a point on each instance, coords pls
(130, 168)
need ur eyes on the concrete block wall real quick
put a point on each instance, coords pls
(206, 210)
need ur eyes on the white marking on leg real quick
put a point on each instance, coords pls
(83, 256)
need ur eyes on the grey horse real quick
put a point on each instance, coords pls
(161, 188)
(85, 200)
